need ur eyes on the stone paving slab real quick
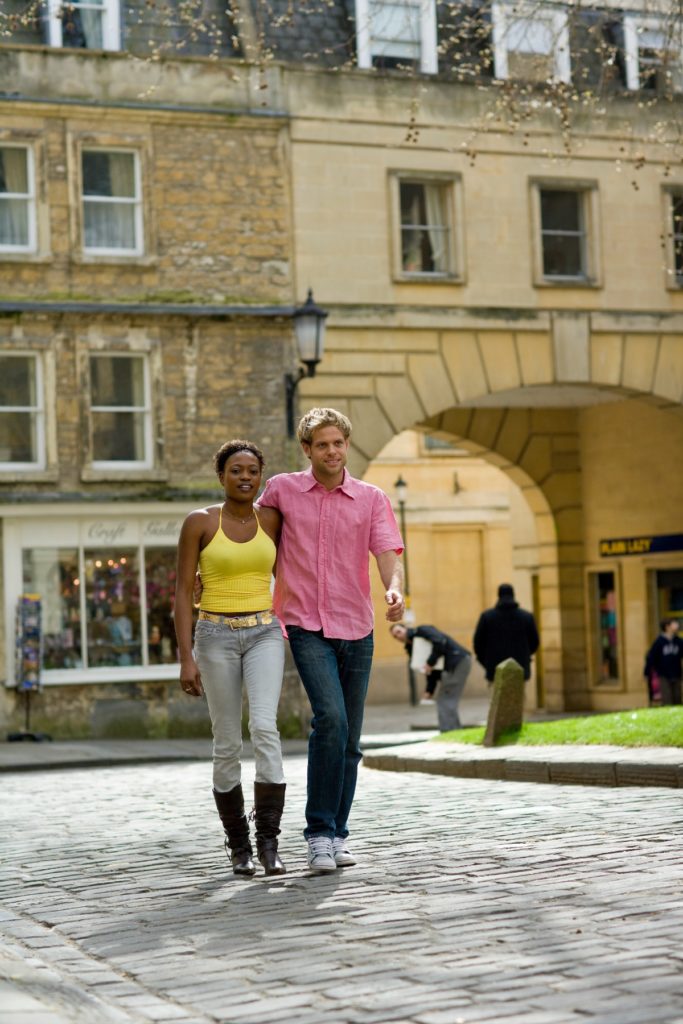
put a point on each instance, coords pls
(565, 765)
(474, 900)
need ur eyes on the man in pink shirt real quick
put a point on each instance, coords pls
(331, 524)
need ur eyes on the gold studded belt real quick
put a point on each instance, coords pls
(239, 621)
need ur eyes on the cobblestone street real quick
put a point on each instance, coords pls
(473, 901)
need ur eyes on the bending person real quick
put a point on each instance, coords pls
(238, 642)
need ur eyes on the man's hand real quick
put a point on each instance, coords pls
(397, 605)
(427, 669)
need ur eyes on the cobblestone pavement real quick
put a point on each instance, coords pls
(474, 901)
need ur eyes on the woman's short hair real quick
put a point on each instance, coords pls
(316, 418)
(231, 447)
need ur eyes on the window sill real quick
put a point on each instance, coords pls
(24, 257)
(575, 282)
(33, 476)
(109, 259)
(90, 475)
(428, 279)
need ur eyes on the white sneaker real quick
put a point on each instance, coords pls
(342, 855)
(320, 857)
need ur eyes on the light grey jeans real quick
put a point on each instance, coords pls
(226, 659)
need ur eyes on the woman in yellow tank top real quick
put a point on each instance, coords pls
(237, 642)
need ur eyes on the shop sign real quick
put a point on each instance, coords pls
(163, 531)
(647, 545)
(108, 532)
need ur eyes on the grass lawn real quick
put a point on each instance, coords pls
(644, 727)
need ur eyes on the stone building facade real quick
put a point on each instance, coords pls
(168, 191)
(145, 317)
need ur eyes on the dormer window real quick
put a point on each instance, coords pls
(531, 44)
(397, 34)
(84, 24)
(654, 54)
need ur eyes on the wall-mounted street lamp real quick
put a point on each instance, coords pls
(401, 492)
(309, 327)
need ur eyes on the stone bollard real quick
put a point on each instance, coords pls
(507, 701)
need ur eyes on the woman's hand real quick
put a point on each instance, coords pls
(190, 678)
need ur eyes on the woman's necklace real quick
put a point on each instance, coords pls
(238, 518)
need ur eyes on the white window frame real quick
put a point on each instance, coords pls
(68, 526)
(503, 13)
(111, 23)
(429, 64)
(454, 208)
(146, 410)
(135, 202)
(634, 24)
(29, 197)
(38, 410)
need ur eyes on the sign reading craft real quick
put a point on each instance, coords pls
(641, 545)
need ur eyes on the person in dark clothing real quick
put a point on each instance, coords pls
(453, 676)
(505, 631)
(665, 657)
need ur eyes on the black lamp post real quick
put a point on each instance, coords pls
(309, 327)
(401, 489)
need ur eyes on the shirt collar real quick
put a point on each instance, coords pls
(348, 484)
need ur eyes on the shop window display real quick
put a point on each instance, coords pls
(669, 588)
(113, 608)
(160, 573)
(607, 625)
(53, 573)
(123, 617)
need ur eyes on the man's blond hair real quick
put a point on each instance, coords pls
(316, 418)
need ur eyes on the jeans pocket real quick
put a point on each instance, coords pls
(204, 630)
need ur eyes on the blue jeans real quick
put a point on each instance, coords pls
(335, 674)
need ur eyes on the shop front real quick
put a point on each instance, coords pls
(637, 584)
(106, 584)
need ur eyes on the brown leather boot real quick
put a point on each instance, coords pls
(237, 846)
(269, 801)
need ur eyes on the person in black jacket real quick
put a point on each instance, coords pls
(665, 657)
(506, 631)
(453, 676)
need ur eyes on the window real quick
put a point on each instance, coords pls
(120, 411)
(677, 235)
(424, 228)
(654, 54)
(99, 610)
(17, 200)
(21, 412)
(604, 627)
(397, 33)
(85, 24)
(565, 219)
(563, 234)
(427, 219)
(54, 574)
(531, 43)
(112, 207)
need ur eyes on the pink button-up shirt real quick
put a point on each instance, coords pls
(323, 578)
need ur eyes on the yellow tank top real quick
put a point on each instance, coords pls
(236, 577)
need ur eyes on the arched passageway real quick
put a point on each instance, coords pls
(582, 424)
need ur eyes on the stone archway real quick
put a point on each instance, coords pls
(515, 396)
